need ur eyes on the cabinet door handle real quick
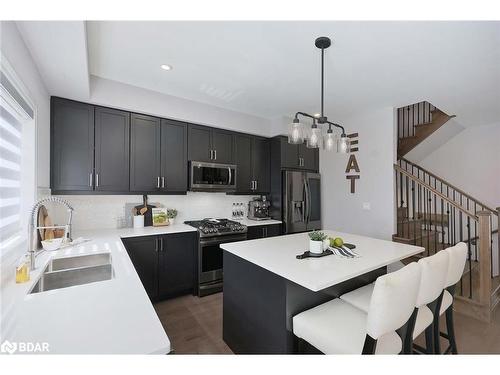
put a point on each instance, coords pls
(97, 179)
(156, 244)
(161, 244)
(215, 154)
(211, 154)
(256, 185)
(158, 182)
(91, 182)
(162, 182)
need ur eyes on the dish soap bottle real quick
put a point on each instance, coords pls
(23, 270)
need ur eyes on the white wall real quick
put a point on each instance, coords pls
(19, 57)
(344, 211)
(114, 211)
(471, 161)
(119, 95)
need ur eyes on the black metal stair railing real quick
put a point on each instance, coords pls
(413, 115)
(435, 215)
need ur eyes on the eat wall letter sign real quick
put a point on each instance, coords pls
(352, 163)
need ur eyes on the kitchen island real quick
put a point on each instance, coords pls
(265, 285)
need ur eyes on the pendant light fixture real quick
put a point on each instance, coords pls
(296, 131)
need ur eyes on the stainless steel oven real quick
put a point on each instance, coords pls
(210, 266)
(212, 176)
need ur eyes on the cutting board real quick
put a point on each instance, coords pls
(148, 216)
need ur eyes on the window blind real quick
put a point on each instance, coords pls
(15, 114)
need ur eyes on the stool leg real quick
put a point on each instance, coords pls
(450, 328)
(435, 327)
(429, 347)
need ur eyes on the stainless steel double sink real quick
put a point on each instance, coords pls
(78, 270)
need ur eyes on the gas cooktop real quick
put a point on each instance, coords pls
(217, 227)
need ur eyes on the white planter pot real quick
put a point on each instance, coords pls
(172, 221)
(139, 221)
(316, 246)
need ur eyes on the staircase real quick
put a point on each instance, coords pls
(434, 214)
(416, 122)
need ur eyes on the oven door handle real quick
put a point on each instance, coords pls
(229, 176)
(222, 239)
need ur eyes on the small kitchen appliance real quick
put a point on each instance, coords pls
(258, 209)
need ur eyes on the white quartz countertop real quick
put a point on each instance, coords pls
(252, 223)
(278, 255)
(108, 317)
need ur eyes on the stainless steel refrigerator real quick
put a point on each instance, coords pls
(301, 201)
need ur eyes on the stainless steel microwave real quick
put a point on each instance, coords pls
(212, 176)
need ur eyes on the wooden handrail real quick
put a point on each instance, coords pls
(493, 211)
(438, 193)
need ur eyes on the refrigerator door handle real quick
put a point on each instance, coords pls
(308, 200)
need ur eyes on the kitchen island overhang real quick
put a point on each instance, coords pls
(265, 285)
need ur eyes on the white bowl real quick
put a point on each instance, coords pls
(53, 244)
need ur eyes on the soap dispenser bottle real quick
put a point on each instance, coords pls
(23, 270)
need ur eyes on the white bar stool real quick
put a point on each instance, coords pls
(457, 258)
(434, 272)
(336, 327)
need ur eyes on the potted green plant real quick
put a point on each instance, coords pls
(316, 239)
(171, 214)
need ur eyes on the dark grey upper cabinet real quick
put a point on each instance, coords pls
(310, 157)
(210, 145)
(72, 141)
(200, 143)
(289, 154)
(145, 156)
(252, 157)
(298, 156)
(222, 146)
(174, 173)
(243, 160)
(112, 146)
(261, 164)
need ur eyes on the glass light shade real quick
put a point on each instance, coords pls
(296, 133)
(343, 145)
(314, 138)
(330, 142)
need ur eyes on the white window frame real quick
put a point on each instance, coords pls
(28, 154)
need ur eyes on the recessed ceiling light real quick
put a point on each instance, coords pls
(166, 67)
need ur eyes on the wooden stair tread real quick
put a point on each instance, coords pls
(423, 234)
(422, 131)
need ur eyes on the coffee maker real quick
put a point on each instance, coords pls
(258, 208)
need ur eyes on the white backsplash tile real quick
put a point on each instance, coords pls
(114, 211)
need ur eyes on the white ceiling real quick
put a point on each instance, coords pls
(271, 69)
(60, 52)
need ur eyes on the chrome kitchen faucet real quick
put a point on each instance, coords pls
(33, 249)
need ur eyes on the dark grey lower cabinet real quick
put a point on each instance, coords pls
(143, 252)
(263, 231)
(165, 264)
(177, 264)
